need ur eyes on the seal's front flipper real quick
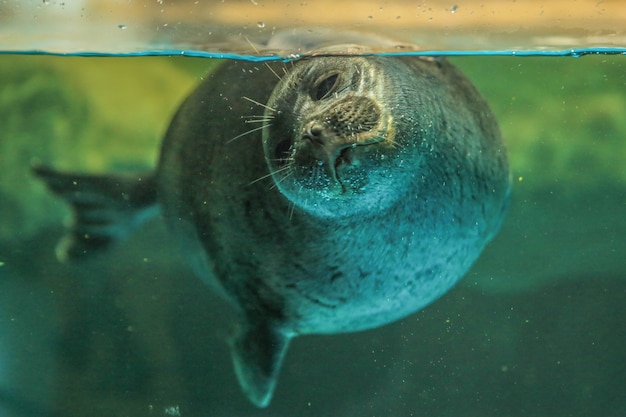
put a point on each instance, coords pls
(104, 208)
(258, 350)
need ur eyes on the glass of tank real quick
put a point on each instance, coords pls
(533, 326)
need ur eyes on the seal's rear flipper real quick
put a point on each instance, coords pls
(258, 350)
(105, 208)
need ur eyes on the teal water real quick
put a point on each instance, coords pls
(535, 329)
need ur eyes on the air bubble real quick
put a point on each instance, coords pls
(454, 8)
(260, 24)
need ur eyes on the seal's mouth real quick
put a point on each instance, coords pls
(340, 149)
(331, 150)
(345, 157)
(343, 160)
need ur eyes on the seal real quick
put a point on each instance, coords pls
(365, 190)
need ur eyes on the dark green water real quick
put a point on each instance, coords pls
(535, 329)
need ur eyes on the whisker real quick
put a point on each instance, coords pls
(270, 174)
(260, 178)
(266, 64)
(256, 129)
(258, 121)
(342, 89)
(281, 179)
(273, 72)
(269, 116)
(265, 106)
(292, 208)
(288, 159)
(251, 44)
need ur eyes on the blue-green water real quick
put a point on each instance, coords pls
(535, 329)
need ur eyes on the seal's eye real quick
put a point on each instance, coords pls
(324, 87)
(282, 152)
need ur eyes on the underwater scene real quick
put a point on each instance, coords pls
(534, 328)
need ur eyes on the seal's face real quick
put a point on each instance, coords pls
(330, 137)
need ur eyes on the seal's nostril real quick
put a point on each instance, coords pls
(316, 130)
(314, 133)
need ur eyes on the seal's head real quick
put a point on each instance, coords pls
(331, 144)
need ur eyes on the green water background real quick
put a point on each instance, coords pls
(535, 329)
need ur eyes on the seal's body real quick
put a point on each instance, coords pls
(369, 188)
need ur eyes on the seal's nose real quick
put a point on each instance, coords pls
(314, 133)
